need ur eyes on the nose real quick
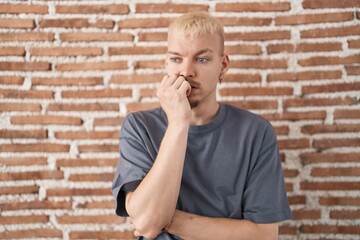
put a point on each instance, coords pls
(187, 69)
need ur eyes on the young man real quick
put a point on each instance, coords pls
(195, 168)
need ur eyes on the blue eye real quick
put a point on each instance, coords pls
(175, 59)
(202, 60)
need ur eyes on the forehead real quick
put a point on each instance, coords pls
(188, 46)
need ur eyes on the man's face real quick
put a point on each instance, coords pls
(200, 61)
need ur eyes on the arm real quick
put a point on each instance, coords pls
(191, 226)
(152, 205)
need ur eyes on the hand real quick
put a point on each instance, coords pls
(172, 94)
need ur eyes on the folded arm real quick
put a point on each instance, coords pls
(191, 226)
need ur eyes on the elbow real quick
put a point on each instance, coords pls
(148, 227)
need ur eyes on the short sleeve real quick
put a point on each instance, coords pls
(134, 162)
(264, 199)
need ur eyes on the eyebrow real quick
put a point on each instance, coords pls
(206, 50)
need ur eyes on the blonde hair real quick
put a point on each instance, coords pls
(194, 24)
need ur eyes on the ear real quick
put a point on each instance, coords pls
(225, 63)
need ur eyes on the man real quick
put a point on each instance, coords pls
(195, 168)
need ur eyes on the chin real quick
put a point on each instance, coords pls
(194, 103)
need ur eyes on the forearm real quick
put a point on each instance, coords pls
(191, 226)
(153, 203)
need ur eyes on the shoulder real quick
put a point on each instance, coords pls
(144, 119)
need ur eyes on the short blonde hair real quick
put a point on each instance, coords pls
(194, 24)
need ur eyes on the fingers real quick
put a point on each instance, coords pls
(185, 88)
(169, 80)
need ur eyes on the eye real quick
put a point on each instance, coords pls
(175, 59)
(202, 60)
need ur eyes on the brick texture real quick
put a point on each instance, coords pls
(70, 71)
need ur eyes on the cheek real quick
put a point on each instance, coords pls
(170, 68)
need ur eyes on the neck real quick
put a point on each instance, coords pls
(204, 113)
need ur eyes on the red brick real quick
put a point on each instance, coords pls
(98, 148)
(35, 175)
(12, 51)
(254, 78)
(87, 162)
(136, 78)
(293, 200)
(11, 80)
(19, 190)
(106, 93)
(91, 177)
(334, 142)
(335, 172)
(66, 51)
(148, 92)
(243, 49)
(97, 205)
(24, 66)
(352, 70)
(84, 107)
(27, 36)
(256, 91)
(255, 104)
(331, 32)
(354, 43)
(23, 8)
(347, 113)
(345, 214)
(75, 23)
(307, 75)
(92, 66)
(330, 186)
(287, 230)
(340, 201)
(105, 234)
(257, 36)
(135, 107)
(108, 121)
(136, 50)
(46, 120)
(295, 116)
(306, 214)
(90, 219)
(5, 220)
(23, 161)
(338, 87)
(93, 9)
(293, 143)
(35, 147)
(341, 128)
(96, 37)
(153, 36)
(318, 61)
(32, 233)
(17, 23)
(253, 7)
(37, 134)
(330, 229)
(304, 47)
(308, 102)
(170, 8)
(60, 81)
(330, 4)
(309, 158)
(259, 63)
(245, 21)
(20, 107)
(144, 23)
(313, 18)
(71, 192)
(37, 204)
(32, 94)
(87, 135)
(290, 173)
(154, 64)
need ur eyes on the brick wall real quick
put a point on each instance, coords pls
(70, 71)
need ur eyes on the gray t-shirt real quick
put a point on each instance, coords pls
(232, 166)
